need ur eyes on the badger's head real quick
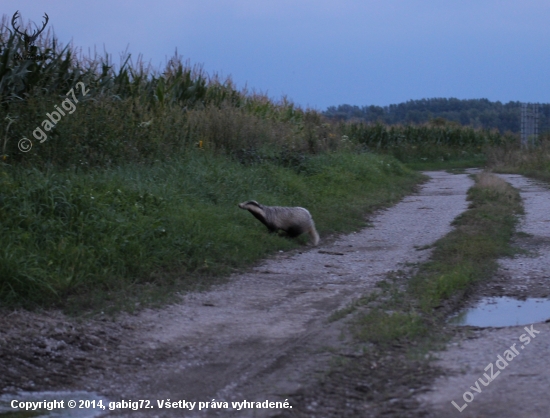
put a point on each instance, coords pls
(250, 205)
(255, 209)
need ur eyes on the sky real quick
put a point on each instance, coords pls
(321, 53)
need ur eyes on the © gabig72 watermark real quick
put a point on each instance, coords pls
(53, 118)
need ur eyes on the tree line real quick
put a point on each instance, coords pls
(478, 113)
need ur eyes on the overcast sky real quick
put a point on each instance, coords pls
(327, 52)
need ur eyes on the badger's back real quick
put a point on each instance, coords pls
(293, 220)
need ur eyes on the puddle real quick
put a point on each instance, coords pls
(87, 404)
(504, 312)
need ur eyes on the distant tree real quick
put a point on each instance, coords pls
(469, 112)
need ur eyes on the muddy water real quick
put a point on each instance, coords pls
(504, 312)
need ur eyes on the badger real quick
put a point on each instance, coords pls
(294, 221)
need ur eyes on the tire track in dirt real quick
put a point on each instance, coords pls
(265, 333)
(521, 388)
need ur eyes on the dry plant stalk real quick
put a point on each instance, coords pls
(490, 181)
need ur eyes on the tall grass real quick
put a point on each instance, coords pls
(140, 183)
(133, 112)
(68, 233)
(533, 161)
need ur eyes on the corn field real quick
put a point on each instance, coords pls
(134, 113)
(439, 140)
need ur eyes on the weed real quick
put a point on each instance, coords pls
(69, 233)
(530, 161)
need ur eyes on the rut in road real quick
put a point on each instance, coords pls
(265, 333)
(520, 389)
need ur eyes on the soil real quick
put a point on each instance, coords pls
(266, 334)
(521, 389)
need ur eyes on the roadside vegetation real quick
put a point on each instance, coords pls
(132, 195)
(131, 187)
(413, 308)
(438, 144)
(68, 235)
(531, 161)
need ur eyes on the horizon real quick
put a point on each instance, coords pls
(440, 98)
(328, 53)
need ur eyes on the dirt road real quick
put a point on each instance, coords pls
(520, 388)
(265, 334)
(262, 336)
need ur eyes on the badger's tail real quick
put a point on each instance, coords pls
(314, 235)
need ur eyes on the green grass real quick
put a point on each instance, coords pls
(467, 162)
(384, 327)
(80, 236)
(406, 310)
(133, 195)
(469, 253)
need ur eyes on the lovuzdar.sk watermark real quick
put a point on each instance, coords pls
(501, 363)
(53, 118)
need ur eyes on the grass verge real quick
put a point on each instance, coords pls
(410, 310)
(127, 235)
(532, 161)
(467, 162)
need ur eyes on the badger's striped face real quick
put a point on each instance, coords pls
(255, 209)
(249, 204)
